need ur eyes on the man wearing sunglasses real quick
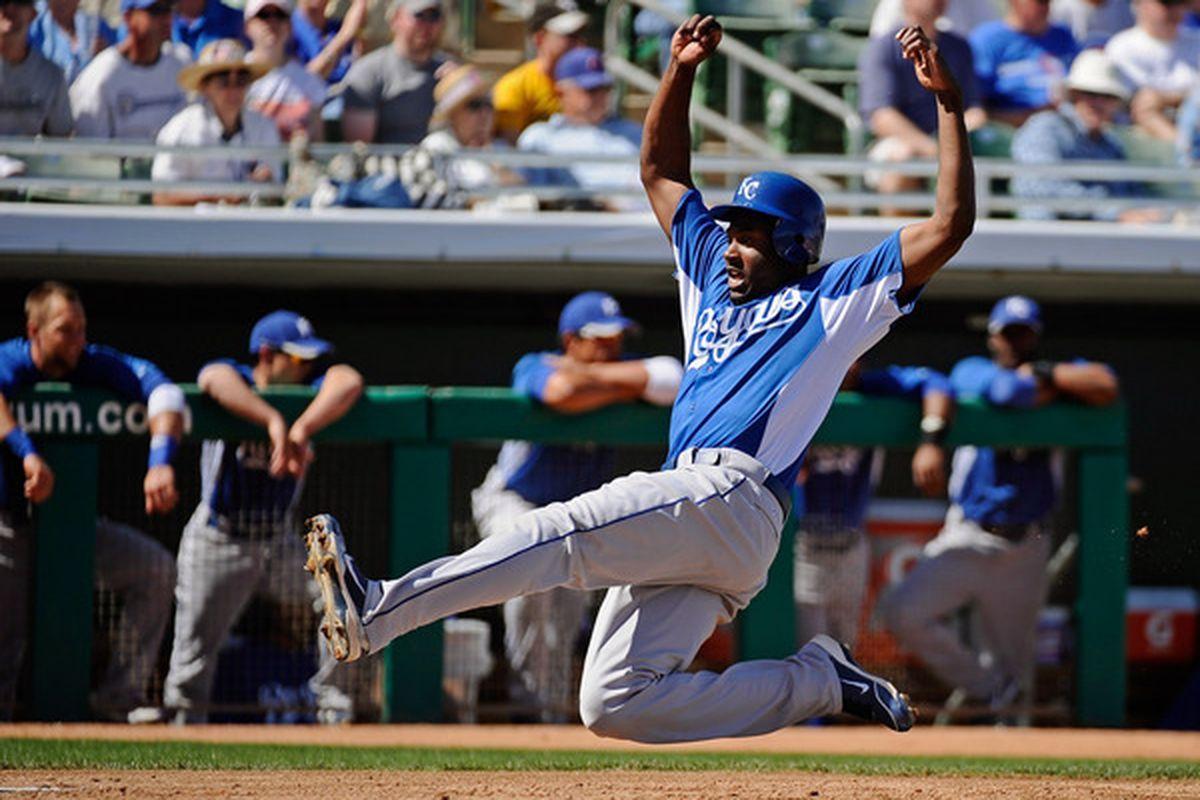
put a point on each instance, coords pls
(241, 537)
(389, 93)
(130, 90)
(220, 79)
(33, 94)
(1160, 60)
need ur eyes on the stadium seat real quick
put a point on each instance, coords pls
(826, 57)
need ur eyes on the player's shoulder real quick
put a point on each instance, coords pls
(991, 32)
(535, 359)
(15, 354)
(243, 370)
(969, 372)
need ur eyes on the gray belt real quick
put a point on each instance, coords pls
(747, 465)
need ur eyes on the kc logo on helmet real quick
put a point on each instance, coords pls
(749, 188)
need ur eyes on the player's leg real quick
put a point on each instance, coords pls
(917, 610)
(540, 631)
(14, 607)
(701, 525)
(635, 687)
(809, 588)
(142, 572)
(217, 576)
(847, 588)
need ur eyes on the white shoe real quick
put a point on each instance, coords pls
(342, 589)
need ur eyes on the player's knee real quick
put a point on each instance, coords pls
(614, 721)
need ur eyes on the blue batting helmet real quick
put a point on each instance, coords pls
(800, 230)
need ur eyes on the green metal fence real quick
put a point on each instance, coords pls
(421, 425)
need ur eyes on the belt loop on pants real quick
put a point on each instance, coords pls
(746, 464)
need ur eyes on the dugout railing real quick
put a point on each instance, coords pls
(420, 426)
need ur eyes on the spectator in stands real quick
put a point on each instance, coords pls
(288, 94)
(198, 22)
(1092, 22)
(991, 553)
(389, 93)
(1187, 143)
(138, 569)
(130, 90)
(33, 94)
(526, 94)
(1021, 61)
(375, 29)
(901, 113)
(1080, 128)
(960, 16)
(69, 36)
(220, 78)
(836, 484)
(1160, 60)
(586, 126)
(326, 46)
(588, 372)
(461, 118)
(242, 537)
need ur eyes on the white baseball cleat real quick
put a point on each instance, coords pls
(864, 695)
(343, 590)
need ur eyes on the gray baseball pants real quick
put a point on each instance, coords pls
(219, 573)
(965, 565)
(540, 630)
(128, 563)
(830, 583)
(680, 551)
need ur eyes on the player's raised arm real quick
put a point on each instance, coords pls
(926, 246)
(667, 139)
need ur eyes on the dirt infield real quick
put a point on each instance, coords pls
(607, 785)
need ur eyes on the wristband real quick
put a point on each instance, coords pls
(162, 450)
(663, 376)
(934, 429)
(19, 442)
(1043, 372)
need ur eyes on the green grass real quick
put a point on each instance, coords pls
(92, 754)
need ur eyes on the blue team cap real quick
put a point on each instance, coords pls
(583, 66)
(287, 332)
(593, 314)
(135, 5)
(1015, 310)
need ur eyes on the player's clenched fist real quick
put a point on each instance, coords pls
(932, 72)
(159, 488)
(695, 40)
(39, 478)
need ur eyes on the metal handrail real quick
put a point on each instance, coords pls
(741, 56)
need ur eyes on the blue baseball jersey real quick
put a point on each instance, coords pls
(760, 377)
(130, 377)
(1019, 70)
(235, 482)
(542, 473)
(840, 480)
(994, 486)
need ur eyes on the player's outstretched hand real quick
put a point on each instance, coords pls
(695, 40)
(932, 72)
(159, 488)
(39, 478)
(929, 469)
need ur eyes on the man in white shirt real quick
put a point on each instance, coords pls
(129, 90)
(220, 77)
(1160, 60)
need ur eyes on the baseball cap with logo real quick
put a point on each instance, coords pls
(593, 314)
(253, 7)
(290, 333)
(583, 66)
(1015, 310)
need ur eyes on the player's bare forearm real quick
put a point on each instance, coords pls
(579, 388)
(340, 390)
(937, 404)
(1090, 383)
(222, 383)
(169, 423)
(7, 420)
(927, 246)
(666, 158)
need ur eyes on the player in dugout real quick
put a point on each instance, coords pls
(127, 562)
(682, 550)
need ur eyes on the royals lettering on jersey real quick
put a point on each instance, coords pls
(543, 473)
(130, 377)
(761, 376)
(236, 485)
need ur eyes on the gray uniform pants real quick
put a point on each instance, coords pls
(965, 565)
(679, 551)
(218, 575)
(830, 583)
(539, 629)
(128, 563)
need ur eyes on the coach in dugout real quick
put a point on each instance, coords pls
(129, 563)
(589, 372)
(241, 538)
(992, 551)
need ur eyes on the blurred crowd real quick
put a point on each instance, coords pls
(1055, 80)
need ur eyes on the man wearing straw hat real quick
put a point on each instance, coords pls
(1080, 128)
(220, 78)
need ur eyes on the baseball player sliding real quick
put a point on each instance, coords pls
(686, 548)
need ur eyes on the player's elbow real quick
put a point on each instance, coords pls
(348, 379)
